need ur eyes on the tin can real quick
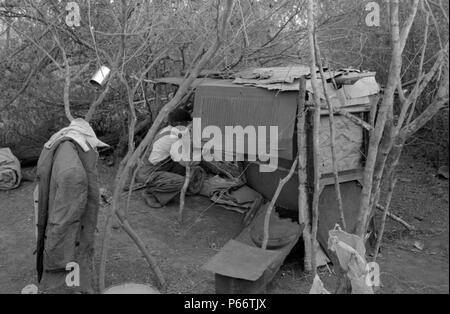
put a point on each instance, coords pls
(101, 76)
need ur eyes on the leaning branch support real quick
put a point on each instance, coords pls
(131, 160)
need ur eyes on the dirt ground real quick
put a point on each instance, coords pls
(415, 262)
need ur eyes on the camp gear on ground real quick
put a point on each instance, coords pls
(67, 216)
(281, 231)
(10, 174)
(239, 200)
(79, 131)
(229, 193)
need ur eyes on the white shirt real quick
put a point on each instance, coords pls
(161, 147)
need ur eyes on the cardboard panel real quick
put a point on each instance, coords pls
(349, 145)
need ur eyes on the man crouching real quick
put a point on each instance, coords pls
(162, 176)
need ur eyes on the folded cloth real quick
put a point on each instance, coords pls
(81, 132)
(10, 175)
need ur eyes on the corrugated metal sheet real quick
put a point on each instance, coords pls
(222, 103)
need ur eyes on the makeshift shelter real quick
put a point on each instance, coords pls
(269, 97)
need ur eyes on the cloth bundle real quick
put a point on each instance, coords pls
(10, 175)
(231, 194)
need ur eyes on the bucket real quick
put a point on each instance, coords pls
(131, 288)
(100, 77)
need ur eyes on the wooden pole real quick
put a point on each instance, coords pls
(337, 185)
(303, 208)
(274, 200)
(316, 135)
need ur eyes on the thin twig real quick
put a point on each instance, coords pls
(383, 219)
(183, 193)
(397, 219)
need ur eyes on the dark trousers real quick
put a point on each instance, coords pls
(163, 181)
